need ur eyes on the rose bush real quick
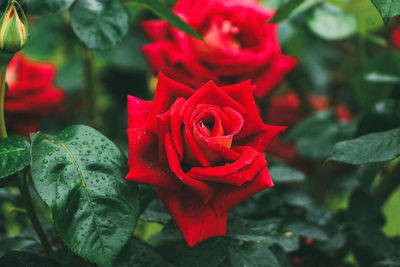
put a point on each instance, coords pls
(202, 149)
(238, 45)
(32, 94)
(288, 109)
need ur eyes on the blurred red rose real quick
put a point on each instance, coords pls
(202, 149)
(343, 113)
(284, 109)
(322, 102)
(396, 37)
(238, 45)
(288, 109)
(318, 102)
(31, 94)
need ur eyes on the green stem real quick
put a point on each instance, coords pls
(3, 131)
(24, 188)
(388, 185)
(92, 91)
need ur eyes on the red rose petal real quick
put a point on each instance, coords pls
(26, 75)
(138, 111)
(260, 141)
(156, 30)
(193, 152)
(396, 37)
(167, 92)
(219, 97)
(195, 220)
(281, 65)
(213, 145)
(176, 123)
(203, 190)
(143, 163)
(249, 164)
(228, 197)
(154, 54)
(243, 93)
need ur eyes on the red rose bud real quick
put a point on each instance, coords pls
(343, 113)
(318, 102)
(13, 29)
(309, 241)
(202, 149)
(238, 45)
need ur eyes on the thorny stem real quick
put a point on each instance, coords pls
(24, 188)
(388, 185)
(91, 88)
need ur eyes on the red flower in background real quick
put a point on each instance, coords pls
(238, 45)
(287, 109)
(396, 37)
(31, 94)
(284, 109)
(202, 149)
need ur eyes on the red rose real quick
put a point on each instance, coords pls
(343, 113)
(396, 37)
(202, 149)
(31, 94)
(284, 109)
(238, 45)
(318, 102)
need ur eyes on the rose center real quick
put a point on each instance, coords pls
(223, 34)
(207, 125)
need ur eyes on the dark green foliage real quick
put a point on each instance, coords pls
(14, 155)
(80, 175)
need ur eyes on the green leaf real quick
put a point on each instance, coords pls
(25, 259)
(374, 147)
(389, 108)
(307, 230)
(297, 198)
(155, 212)
(165, 13)
(389, 262)
(316, 135)
(99, 24)
(14, 155)
(303, 127)
(367, 16)
(257, 255)
(67, 259)
(387, 8)
(381, 78)
(285, 10)
(369, 92)
(272, 3)
(206, 254)
(80, 174)
(20, 242)
(282, 173)
(332, 24)
(48, 6)
(139, 254)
